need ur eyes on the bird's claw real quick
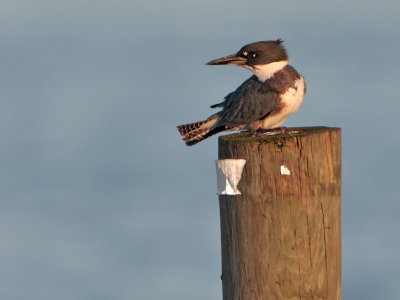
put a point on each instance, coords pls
(275, 131)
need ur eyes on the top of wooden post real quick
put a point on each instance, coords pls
(248, 137)
(280, 139)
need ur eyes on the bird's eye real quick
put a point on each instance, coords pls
(254, 55)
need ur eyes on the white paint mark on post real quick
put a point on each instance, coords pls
(229, 173)
(285, 170)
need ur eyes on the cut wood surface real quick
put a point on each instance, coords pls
(281, 237)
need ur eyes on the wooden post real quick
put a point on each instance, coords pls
(281, 237)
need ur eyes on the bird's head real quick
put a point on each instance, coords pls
(262, 58)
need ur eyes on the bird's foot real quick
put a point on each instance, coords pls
(275, 131)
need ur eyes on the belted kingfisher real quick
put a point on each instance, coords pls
(264, 101)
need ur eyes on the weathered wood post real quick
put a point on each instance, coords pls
(281, 237)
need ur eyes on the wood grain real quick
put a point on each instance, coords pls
(281, 238)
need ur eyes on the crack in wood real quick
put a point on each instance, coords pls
(326, 255)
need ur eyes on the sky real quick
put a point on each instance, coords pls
(100, 199)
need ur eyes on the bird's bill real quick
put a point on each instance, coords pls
(233, 59)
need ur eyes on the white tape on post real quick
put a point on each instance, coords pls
(229, 173)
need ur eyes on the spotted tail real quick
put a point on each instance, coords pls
(196, 132)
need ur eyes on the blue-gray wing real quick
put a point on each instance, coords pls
(252, 101)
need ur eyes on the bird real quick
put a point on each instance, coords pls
(262, 102)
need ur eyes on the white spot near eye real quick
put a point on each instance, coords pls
(245, 53)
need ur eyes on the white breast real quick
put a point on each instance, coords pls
(293, 98)
(291, 102)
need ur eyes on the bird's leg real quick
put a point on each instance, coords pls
(262, 132)
(258, 132)
(274, 131)
(285, 130)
